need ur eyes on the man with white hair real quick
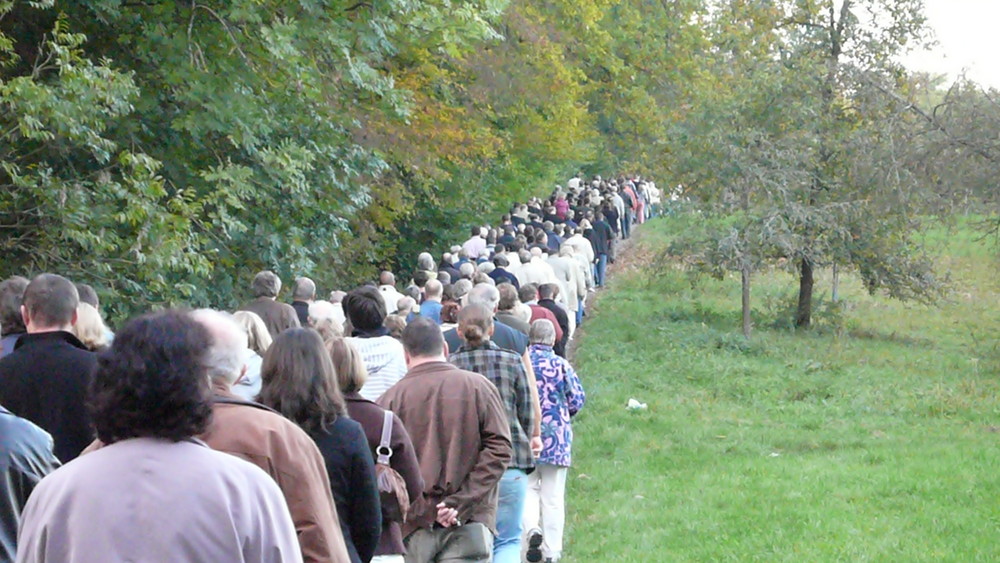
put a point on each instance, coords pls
(259, 435)
(303, 293)
(467, 270)
(537, 270)
(390, 295)
(425, 262)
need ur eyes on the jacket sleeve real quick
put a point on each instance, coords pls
(524, 398)
(365, 519)
(306, 486)
(404, 459)
(575, 397)
(495, 451)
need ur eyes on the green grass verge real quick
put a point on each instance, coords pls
(875, 437)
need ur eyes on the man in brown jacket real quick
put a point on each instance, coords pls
(277, 316)
(259, 435)
(459, 430)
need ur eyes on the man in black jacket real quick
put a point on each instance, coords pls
(45, 379)
(602, 238)
(25, 458)
(547, 293)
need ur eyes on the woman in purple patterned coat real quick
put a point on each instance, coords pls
(561, 396)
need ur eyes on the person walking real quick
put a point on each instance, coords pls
(504, 369)
(562, 397)
(459, 429)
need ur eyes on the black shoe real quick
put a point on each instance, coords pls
(534, 553)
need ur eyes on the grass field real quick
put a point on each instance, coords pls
(875, 437)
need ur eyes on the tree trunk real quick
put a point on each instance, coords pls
(745, 274)
(835, 292)
(803, 316)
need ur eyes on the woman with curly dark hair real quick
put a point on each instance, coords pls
(299, 382)
(152, 491)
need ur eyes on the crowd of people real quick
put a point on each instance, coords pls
(418, 422)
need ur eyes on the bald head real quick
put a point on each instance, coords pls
(229, 344)
(433, 289)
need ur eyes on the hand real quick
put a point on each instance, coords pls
(536, 446)
(447, 516)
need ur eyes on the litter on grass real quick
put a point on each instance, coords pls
(636, 405)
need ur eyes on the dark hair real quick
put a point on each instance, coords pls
(501, 262)
(51, 300)
(474, 323)
(88, 295)
(548, 291)
(449, 312)
(266, 284)
(365, 308)
(299, 380)
(421, 277)
(153, 381)
(527, 292)
(422, 338)
(11, 295)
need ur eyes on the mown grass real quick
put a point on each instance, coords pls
(875, 437)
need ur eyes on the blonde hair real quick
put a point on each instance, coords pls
(347, 362)
(258, 337)
(90, 328)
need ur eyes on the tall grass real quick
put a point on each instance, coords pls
(875, 437)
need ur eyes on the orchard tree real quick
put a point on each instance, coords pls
(827, 184)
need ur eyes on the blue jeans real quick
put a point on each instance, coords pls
(599, 269)
(510, 511)
(579, 312)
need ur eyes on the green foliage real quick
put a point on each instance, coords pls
(800, 135)
(164, 151)
(871, 444)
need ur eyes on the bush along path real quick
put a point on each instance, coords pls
(873, 436)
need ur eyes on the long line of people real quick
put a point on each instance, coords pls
(419, 423)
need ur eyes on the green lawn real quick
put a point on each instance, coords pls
(875, 437)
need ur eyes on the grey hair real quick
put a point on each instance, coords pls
(566, 250)
(467, 269)
(266, 284)
(425, 261)
(486, 295)
(461, 288)
(225, 358)
(305, 289)
(542, 332)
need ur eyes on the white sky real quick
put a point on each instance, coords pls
(967, 39)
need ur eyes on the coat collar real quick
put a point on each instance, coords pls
(54, 336)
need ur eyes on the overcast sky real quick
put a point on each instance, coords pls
(967, 37)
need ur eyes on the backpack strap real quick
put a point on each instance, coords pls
(384, 449)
